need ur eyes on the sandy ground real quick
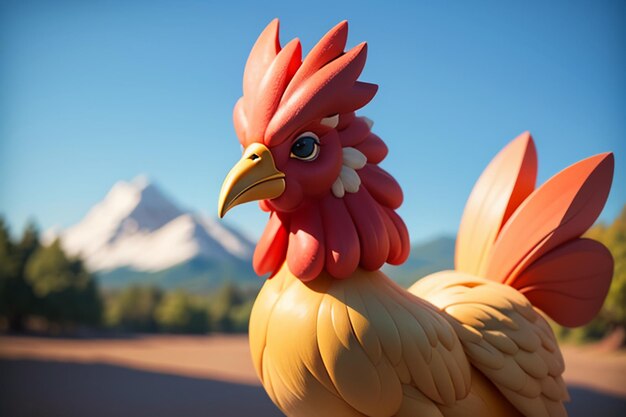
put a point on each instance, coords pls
(204, 376)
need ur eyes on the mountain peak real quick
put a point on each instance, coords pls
(139, 200)
(131, 192)
(138, 226)
(141, 181)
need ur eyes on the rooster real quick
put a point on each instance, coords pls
(332, 335)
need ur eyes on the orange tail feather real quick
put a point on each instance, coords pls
(531, 239)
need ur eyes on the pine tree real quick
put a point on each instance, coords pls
(223, 302)
(16, 296)
(614, 237)
(177, 312)
(66, 292)
(134, 308)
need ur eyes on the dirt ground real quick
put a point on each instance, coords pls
(204, 376)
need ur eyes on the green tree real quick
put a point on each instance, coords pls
(230, 308)
(16, 296)
(614, 238)
(178, 313)
(221, 306)
(134, 308)
(240, 316)
(8, 276)
(28, 244)
(65, 291)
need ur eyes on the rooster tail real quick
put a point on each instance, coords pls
(531, 239)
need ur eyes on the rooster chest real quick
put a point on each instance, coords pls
(289, 320)
(315, 348)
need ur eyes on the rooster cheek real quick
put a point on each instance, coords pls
(291, 198)
(316, 185)
(319, 178)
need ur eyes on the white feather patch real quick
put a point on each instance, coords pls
(353, 158)
(349, 181)
(369, 122)
(337, 188)
(331, 121)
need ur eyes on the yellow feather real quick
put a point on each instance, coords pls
(504, 337)
(365, 347)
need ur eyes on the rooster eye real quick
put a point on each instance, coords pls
(306, 147)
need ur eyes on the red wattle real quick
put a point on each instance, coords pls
(270, 251)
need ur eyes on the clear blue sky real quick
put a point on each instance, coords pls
(94, 92)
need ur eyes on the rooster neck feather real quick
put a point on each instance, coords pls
(340, 234)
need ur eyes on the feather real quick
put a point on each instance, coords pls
(570, 282)
(560, 210)
(350, 179)
(373, 148)
(345, 120)
(403, 233)
(342, 241)
(328, 48)
(354, 133)
(370, 227)
(353, 347)
(271, 249)
(382, 186)
(271, 86)
(517, 358)
(338, 189)
(240, 122)
(505, 183)
(305, 253)
(353, 158)
(395, 243)
(320, 95)
(330, 121)
(261, 57)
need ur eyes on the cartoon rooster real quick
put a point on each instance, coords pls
(332, 335)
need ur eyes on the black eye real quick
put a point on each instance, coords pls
(306, 147)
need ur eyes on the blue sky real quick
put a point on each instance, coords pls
(94, 92)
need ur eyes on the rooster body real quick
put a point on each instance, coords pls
(366, 347)
(332, 335)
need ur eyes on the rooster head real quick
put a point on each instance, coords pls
(311, 162)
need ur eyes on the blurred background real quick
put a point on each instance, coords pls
(120, 291)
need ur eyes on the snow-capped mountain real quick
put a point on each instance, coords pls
(139, 230)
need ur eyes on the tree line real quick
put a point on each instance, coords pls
(43, 288)
(150, 309)
(41, 282)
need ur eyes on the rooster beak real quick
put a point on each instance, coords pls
(254, 177)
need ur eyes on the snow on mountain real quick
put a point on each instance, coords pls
(232, 240)
(136, 226)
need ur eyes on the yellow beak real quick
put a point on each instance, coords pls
(254, 177)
